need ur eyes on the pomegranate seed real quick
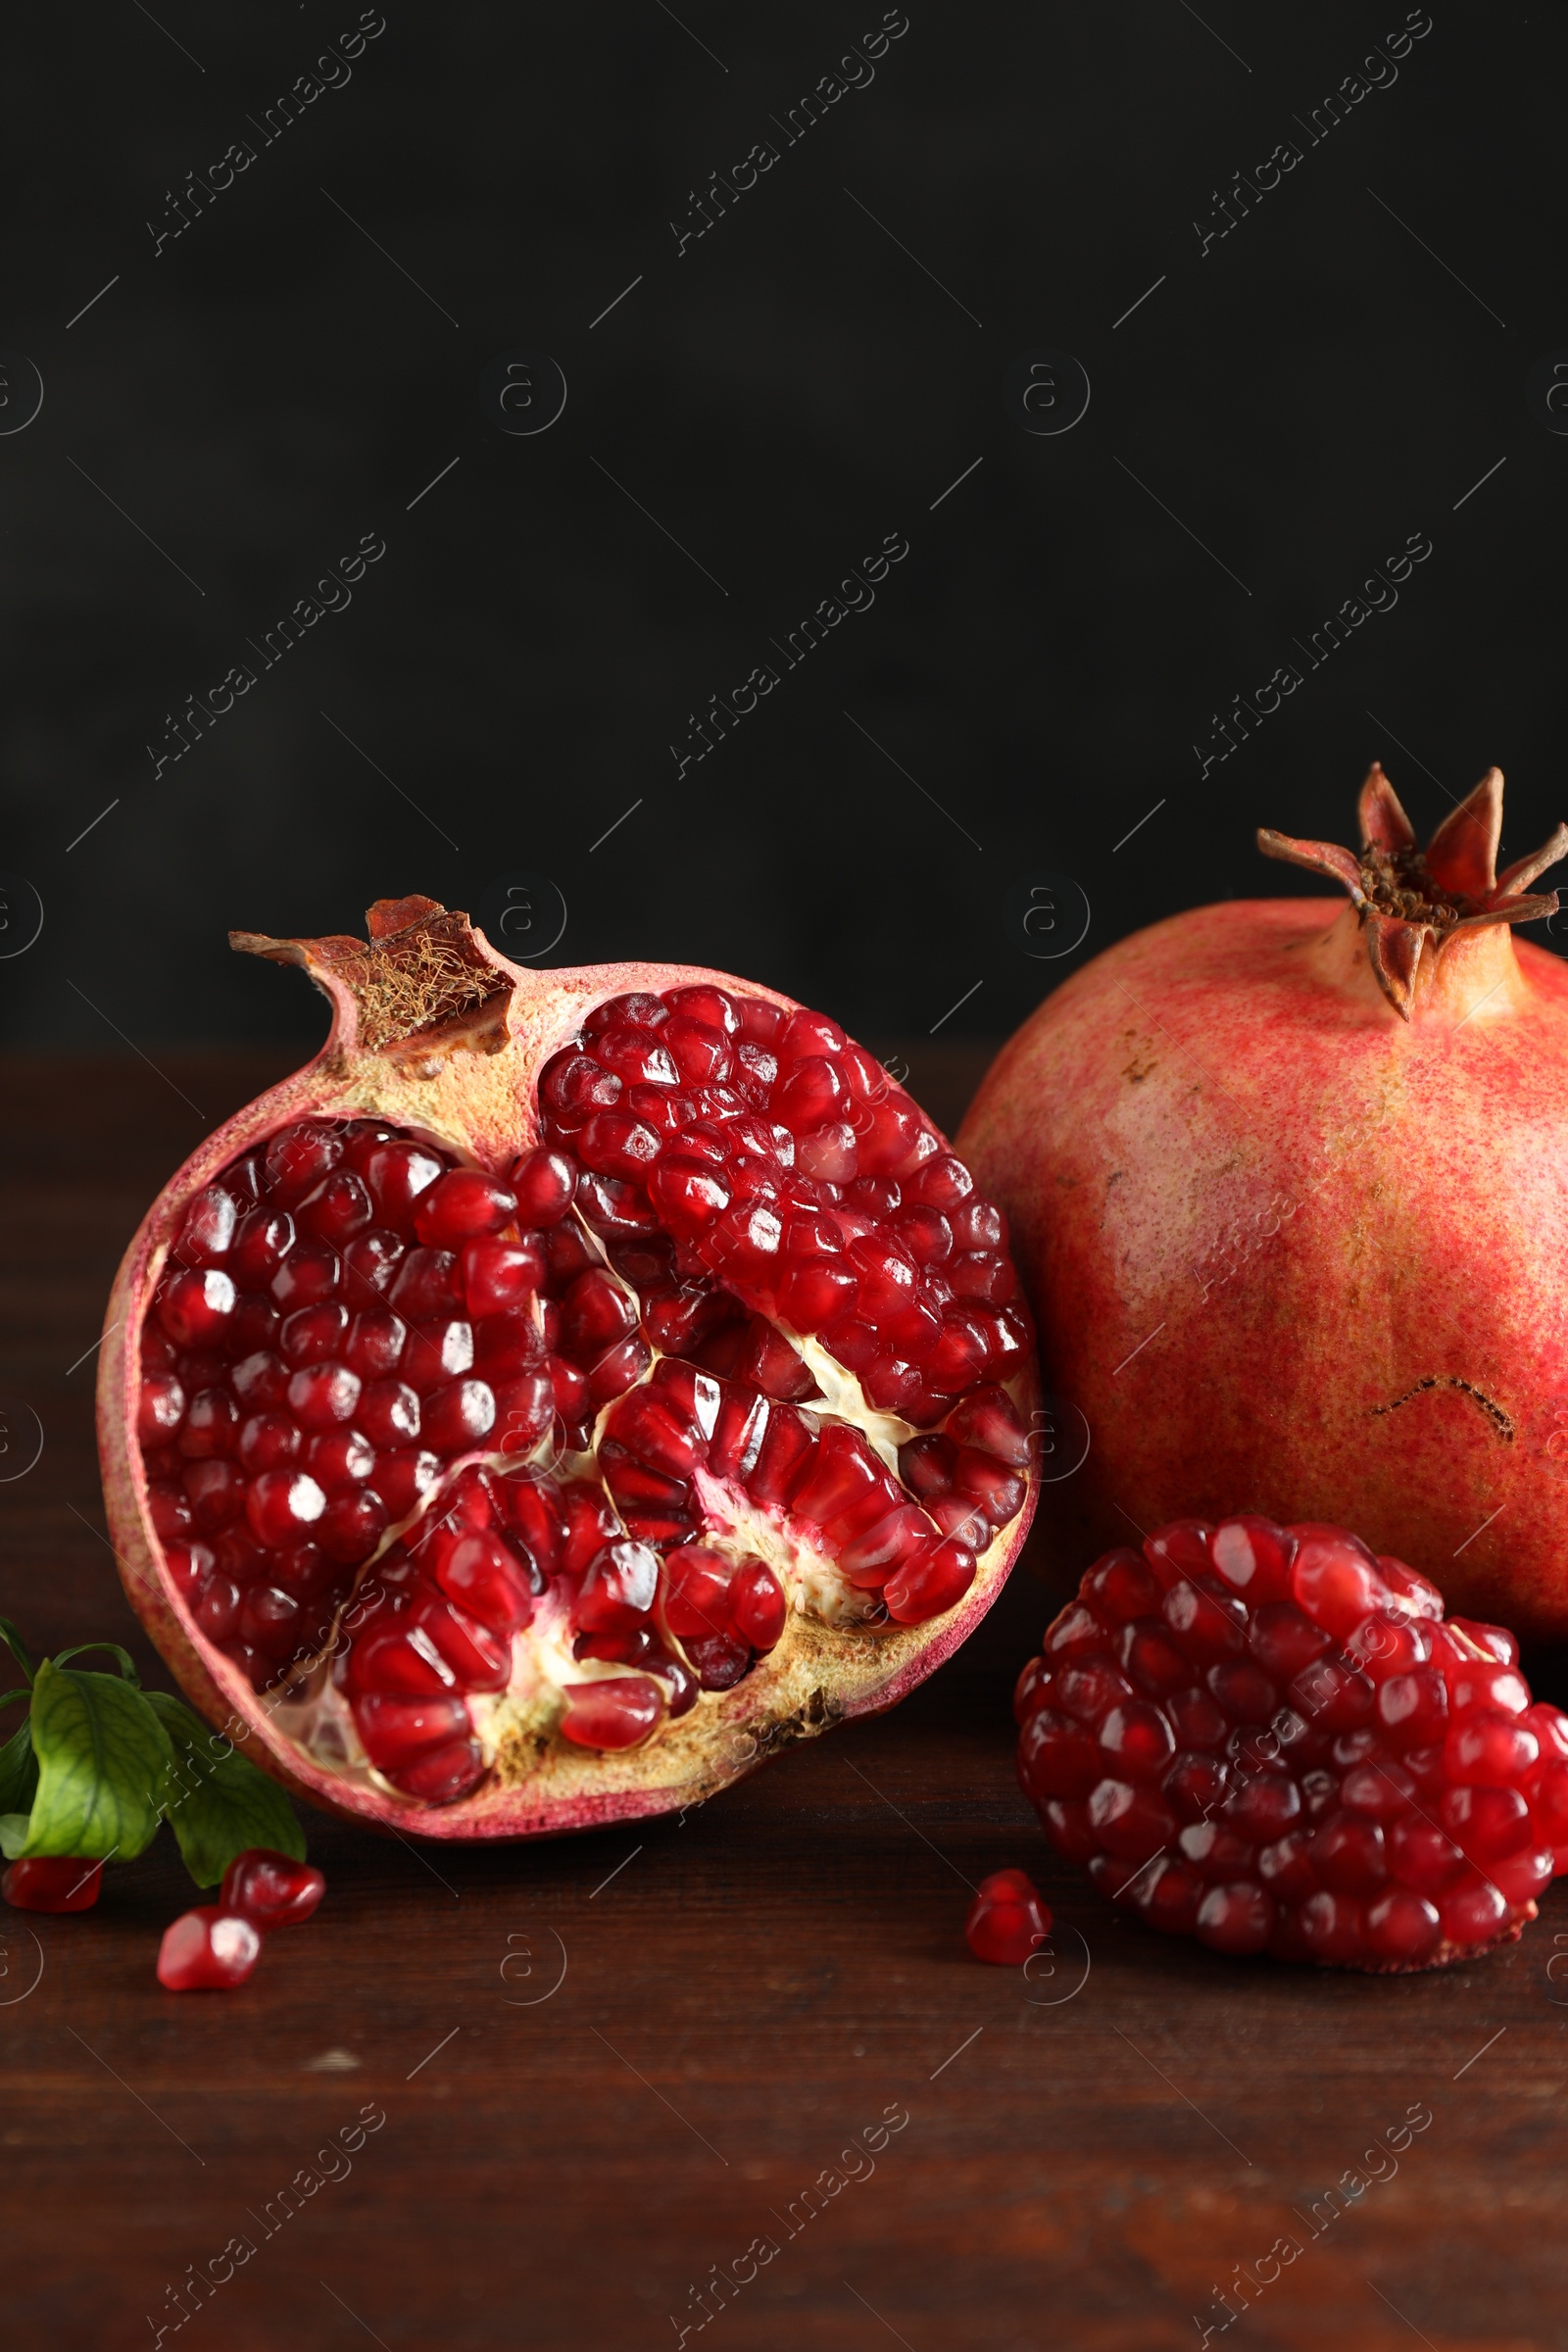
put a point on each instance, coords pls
(871, 1558)
(215, 1490)
(698, 1599)
(52, 1883)
(270, 1889)
(929, 1582)
(260, 1380)
(311, 1271)
(195, 1307)
(498, 1275)
(459, 1416)
(397, 1174)
(374, 1343)
(337, 1210)
(442, 1774)
(771, 1365)
(208, 1231)
(758, 1605)
(160, 1409)
(389, 1413)
(437, 1353)
(281, 1504)
(321, 1395)
(617, 1713)
(943, 1183)
(818, 1291)
(208, 1950)
(618, 1586)
(371, 1265)
(264, 1238)
(488, 1582)
(404, 1480)
(461, 1207)
(395, 1729)
(524, 1409)
(428, 1286)
(573, 1087)
(543, 1181)
(721, 1659)
(1007, 1921)
(595, 1313)
(689, 1192)
(618, 1370)
(352, 1525)
(476, 1657)
(339, 1458)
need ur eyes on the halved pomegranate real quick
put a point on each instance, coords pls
(568, 1390)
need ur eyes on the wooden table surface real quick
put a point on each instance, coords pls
(608, 2066)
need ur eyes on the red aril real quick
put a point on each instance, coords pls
(52, 1883)
(270, 1889)
(1285, 1184)
(1007, 1921)
(1206, 1729)
(208, 1950)
(475, 1421)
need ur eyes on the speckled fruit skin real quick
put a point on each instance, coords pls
(1292, 1253)
(467, 1081)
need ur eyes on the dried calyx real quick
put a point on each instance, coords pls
(1408, 900)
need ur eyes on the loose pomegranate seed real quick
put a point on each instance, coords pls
(270, 1889)
(619, 1325)
(208, 1950)
(1268, 1739)
(1007, 1921)
(52, 1883)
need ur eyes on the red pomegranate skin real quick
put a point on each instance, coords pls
(467, 1081)
(1297, 1248)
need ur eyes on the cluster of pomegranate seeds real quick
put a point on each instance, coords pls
(784, 1170)
(217, 1944)
(577, 1397)
(52, 1883)
(1007, 1921)
(1271, 1738)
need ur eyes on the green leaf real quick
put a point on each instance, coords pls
(14, 1828)
(19, 1770)
(103, 1763)
(217, 1805)
(12, 1641)
(128, 1667)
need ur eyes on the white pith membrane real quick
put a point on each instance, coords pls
(837, 1636)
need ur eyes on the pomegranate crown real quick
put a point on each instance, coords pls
(1405, 897)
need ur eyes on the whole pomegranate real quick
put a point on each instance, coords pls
(565, 1392)
(1289, 1195)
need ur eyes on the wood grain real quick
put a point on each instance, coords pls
(743, 1996)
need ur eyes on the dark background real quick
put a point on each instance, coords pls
(1303, 397)
(223, 423)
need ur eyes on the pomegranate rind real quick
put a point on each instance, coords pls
(459, 1066)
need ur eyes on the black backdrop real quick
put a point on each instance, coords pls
(1273, 411)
